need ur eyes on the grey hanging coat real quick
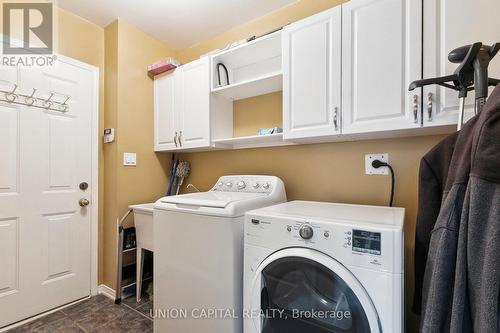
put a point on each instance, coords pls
(462, 275)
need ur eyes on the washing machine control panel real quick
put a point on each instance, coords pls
(305, 231)
(249, 184)
(352, 245)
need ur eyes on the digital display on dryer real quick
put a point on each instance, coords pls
(366, 242)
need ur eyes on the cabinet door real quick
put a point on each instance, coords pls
(194, 129)
(164, 111)
(381, 55)
(311, 76)
(449, 24)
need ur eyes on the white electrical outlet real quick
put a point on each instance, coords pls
(370, 170)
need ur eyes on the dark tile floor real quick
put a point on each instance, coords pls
(98, 314)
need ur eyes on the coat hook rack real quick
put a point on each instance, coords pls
(11, 97)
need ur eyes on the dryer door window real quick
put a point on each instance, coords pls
(301, 295)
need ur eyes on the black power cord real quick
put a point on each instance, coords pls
(378, 164)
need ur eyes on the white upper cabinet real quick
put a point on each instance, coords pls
(344, 72)
(381, 55)
(312, 76)
(182, 107)
(194, 128)
(164, 111)
(449, 24)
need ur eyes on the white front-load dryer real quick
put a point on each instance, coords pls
(198, 259)
(321, 267)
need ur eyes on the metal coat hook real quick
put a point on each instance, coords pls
(11, 96)
(47, 102)
(30, 100)
(64, 105)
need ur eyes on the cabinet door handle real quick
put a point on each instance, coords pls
(336, 118)
(415, 109)
(175, 139)
(180, 138)
(429, 106)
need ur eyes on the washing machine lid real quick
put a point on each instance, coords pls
(211, 199)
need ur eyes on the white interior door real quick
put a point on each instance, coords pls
(449, 24)
(45, 252)
(194, 131)
(311, 76)
(381, 56)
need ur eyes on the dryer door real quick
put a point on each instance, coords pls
(300, 290)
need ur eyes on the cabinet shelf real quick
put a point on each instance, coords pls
(253, 141)
(264, 84)
(253, 68)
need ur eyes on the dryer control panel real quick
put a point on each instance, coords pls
(247, 183)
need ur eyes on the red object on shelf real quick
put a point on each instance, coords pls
(162, 66)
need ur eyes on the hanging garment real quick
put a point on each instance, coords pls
(461, 281)
(433, 172)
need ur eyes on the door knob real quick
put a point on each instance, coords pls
(83, 202)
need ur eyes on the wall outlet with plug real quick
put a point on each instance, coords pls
(370, 170)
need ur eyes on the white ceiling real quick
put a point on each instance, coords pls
(178, 23)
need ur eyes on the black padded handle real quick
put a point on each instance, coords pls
(219, 65)
(457, 55)
(494, 50)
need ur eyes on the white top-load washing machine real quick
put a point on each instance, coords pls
(321, 267)
(198, 261)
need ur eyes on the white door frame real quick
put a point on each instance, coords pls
(94, 207)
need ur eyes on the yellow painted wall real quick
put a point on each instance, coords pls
(324, 172)
(110, 199)
(271, 21)
(129, 109)
(257, 112)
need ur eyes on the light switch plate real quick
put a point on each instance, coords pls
(130, 159)
(370, 170)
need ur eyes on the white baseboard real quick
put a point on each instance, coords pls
(106, 291)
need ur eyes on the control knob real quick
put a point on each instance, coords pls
(306, 232)
(266, 186)
(241, 185)
(256, 185)
(229, 184)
